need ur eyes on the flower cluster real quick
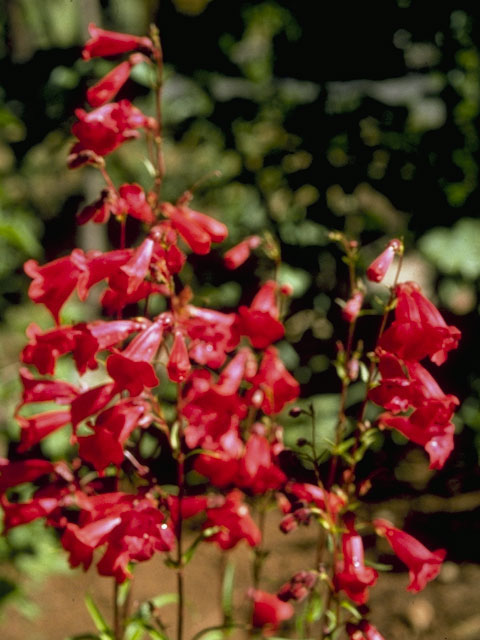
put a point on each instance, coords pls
(116, 505)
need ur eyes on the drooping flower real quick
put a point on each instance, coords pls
(107, 88)
(178, 366)
(423, 565)
(197, 229)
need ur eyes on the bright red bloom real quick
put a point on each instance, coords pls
(353, 307)
(110, 43)
(235, 522)
(238, 254)
(269, 611)
(425, 427)
(418, 329)
(423, 565)
(351, 574)
(135, 202)
(107, 127)
(43, 505)
(131, 369)
(45, 390)
(273, 386)
(260, 321)
(212, 335)
(54, 282)
(111, 430)
(379, 267)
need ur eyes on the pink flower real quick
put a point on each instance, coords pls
(353, 307)
(110, 43)
(423, 565)
(379, 267)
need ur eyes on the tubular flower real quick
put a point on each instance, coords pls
(178, 366)
(269, 611)
(418, 329)
(197, 229)
(351, 574)
(110, 43)
(238, 254)
(423, 565)
(108, 87)
(363, 631)
(234, 521)
(379, 267)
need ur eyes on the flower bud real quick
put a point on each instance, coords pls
(379, 267)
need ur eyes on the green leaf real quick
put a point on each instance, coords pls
(98, 619)
(164, 599)
(351, 609)
(227, 591)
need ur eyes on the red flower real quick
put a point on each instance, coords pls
(269, 611)
(107, 127)
(423, 565)
(54, 282)
(238, 254)
(331, 503)
(13, 473)
(351, 574)
(197, 229)
(37, 427)
(379, 267)
(131, 369)
(111, 430)
(135, 202)
(418, 329)
(110, 43)
(260, 321)
(212, 335)
(108, 87)
(235, 522)
(274, 383)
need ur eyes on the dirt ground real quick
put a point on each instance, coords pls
(448, 609)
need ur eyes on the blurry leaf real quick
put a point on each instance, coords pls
(298, 279)
(455, 250)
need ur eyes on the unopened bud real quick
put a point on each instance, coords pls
(295, 412)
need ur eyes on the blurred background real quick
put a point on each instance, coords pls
(360, 117)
